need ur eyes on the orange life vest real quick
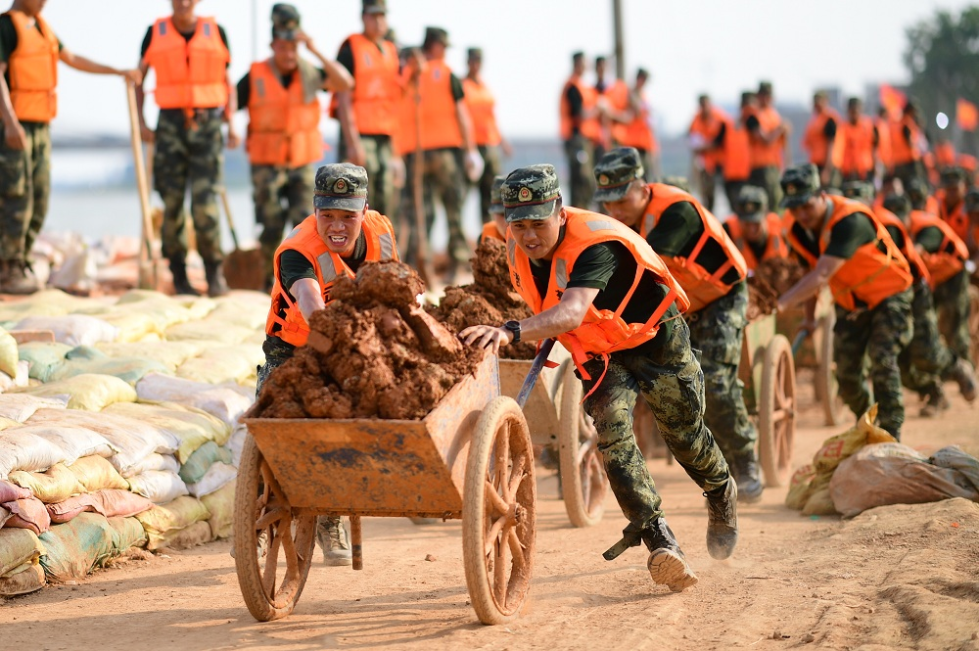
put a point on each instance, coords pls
(602, 332)
(639, 132)
(968, 163)
(482, 111)
(616, 95)
(329, 266)
(815, 142)
(945, 154)
(918, 267)
(902, 151)
(283, 129)
(765, 154)
(956, 217)
(737, 152)
(491, 232)
(858, 147)
(702, 287)
(33, 69)
(440, 124)
(708, 128)
(588, 127)
(189, 74)
(884, 150)
(871, 275)
(775, 246)
(377, 86)
(951, 255)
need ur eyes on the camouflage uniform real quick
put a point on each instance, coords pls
(190, 151)
(952, 304)
(926, 359)
(378, 154)
(491, 169)
(442, 177)
(580, 153)
(25, 184)
(283, 196)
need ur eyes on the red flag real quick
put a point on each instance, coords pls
(967, 115)
(893, 100)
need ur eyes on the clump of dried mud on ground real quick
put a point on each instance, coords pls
(373, 352)
(490, 300)
(772, 279)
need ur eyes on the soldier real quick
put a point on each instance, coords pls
(735, 142)
(972, 236)
(189, 142)
(496, 227)
(769, 135)
(755, 231)
(712, 272)
(577, 270)
(908, 146)
(368, 114)
(846, 246)
(580, 128)
(486, 133)
(634, 127)
(334, 241)
(706, 133)
(861, 140)
(824, 141)
(284, 140)
(29, 55)
(952, 295)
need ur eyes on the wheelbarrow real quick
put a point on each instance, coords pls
(558, 421)
(471, 458)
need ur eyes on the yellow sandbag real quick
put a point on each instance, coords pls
(164, 311)
(49, 302)
(820, 503)
(246, 313)
(88, 391)
(6, 423)
(96, 473)
(18, 546)
(56, 484)
(839, 447)
(208, 330)
(192, 536)
(221, 504)
(799, 491)
(133, 326)
(222, 364)
(198, 306)
(171, 517)
(192, 427)
(169, 353)
(8, 354)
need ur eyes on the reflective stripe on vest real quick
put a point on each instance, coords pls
(33, 69)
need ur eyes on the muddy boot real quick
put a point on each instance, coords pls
(745, 472)
(935, 403)
(722, 520)
(333, 540)
(14, 278)
(181, 285)
(216, 285)
(666, 564)
(963, 375)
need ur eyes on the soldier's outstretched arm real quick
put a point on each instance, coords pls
(812, 282)
(79, 62)
(308, 295)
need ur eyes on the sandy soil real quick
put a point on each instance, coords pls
(900, 577)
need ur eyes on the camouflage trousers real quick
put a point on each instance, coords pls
(581, 165)
(717, 331)
(878, 335)
(708, 186)
(908, 172)
(283, 196)
(381, 193)
(492, 168)
(442, 178)
(769, 178)
(25, 184)
(189, 152)
(926, 359)
(672, 384)
(952, 305)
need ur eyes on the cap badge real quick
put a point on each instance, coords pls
(603, 180)
(340, 186)
(791, 190)
(525, 195)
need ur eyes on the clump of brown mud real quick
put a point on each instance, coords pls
(490, 300)
(373, 352)
(772, 278)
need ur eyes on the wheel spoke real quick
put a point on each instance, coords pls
(270, 517)
(516, 549)
(289, 550)
(494, 501)
(271, 563)
(493, 535)
(516, 476)
(499, 572)
(503, 460)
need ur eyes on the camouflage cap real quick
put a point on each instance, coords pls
(677, 182)
(496, 195)
(285, 22)
(764, 88)
(375, 7)
(474, 54)
(799, 184)
(436, 35)
(751, 204)
(341, 186)
(898, 204)
(530, 193)
(615, 171)
(952, 176)
(972, 201)
(861, 191)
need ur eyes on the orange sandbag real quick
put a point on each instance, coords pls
(28, 513)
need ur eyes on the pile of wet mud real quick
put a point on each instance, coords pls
(372, 353)
(771, 279)
(489, 300)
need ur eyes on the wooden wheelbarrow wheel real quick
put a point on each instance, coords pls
(583, 480)
(827, 388)
(499, 512)
(776, 412)
(974, 323)
(272, 569)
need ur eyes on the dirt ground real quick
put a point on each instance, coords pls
(900, 577)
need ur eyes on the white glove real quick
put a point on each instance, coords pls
(474, 165)
(970, 267)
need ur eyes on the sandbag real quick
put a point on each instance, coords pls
(74, 442)
(836, 448)
(10, 492)
(128, 369)
(26, 451)
(891, 473)
(108, 503)
(43, 358)
(223, 402)
(170, 354)
(164, 518)
(199, 307)
(222, 364)
(55, 484)
(28, 513)
(164, 311)
(247, 312)
(17, 547)
(20, 406)
(132, 325)
(126, 534)
(156, 461)
(97, 473)
(208, 330)
(158, 486)
(953, 457)
(76, 548)
(221, 504)
(8, 354)
(191, 428)
(218, 475)
(27, 580)
(237, 443)
(88, 391)
(72, 329)
(203, 458)
(4, 516)
(49, 302)
(6, 423)
(192, 536)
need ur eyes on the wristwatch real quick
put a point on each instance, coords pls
(514, 328)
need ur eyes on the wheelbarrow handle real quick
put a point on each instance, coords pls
(799, 339)
(535, 369)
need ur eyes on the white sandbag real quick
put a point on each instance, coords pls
(20, 380)
(163, 462)
(237, 443)
(159, 486)
(72, 329)
(74, 442)
(223, 364)
(239, 310)
(28, 452)
(211, 330)
(214, 479)
(21, 406)
(192, 427)
(169, 353)
(224, 401)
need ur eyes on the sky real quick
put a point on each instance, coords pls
(690, 46)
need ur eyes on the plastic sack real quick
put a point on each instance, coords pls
(74, 442)
(8, 354)
(237, 443)
(26, 451)
(28, 513)
(10, 492)
(29, 579)
(76, 548)
(132, 325)
(88, 391)
(215, 332)
(170, 354)
(799, 492)
(191, 428)
(222, 402)
(109, 503)
(50, 302)
(839, 447)
(953, 457)
(20, 406)
(891, 473)
(126, 534)
(178, 514)
(91, 360)
(96, 473)
(217, 476)
(156, 461)
(247, 311)
(192, 536)
(158, 486)
(4, 516)
(222, 364)
(203, 458)
(163, 309)
(17, 547)
(55, 484)
(43, 358)
(6, 423)
(221, 504)
(72, 329)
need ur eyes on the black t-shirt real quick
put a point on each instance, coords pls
(752, 125)
(848, 235)
(930, 238)
(829, 129)
(576, 105)
(758, 248)
(187, 37)
(676, 234)
(244, 88)
(8, 42)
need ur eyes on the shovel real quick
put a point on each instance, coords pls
(243, 268)
(149, 277)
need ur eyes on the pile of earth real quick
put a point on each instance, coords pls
(373, 352)
(771, 279)
(490, 300)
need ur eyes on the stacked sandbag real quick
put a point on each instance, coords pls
(88, 360)
(20, 554)
(177, 524)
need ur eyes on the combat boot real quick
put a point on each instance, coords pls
(333, 540)
(935, 403)
(216, 285)
(722, 520)
(666, 564)
(745, 471)
(14, 279)
(963, 375)
(181, 284)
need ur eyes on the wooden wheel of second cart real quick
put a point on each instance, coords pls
(273, 546)
(776, 412)
(499, 512)
(974, 323)
(583, 480)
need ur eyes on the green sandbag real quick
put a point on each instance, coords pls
(126, 533)
(203, 458)
(43, 358)
(77, 547)
(8, 354)
(128, 369)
